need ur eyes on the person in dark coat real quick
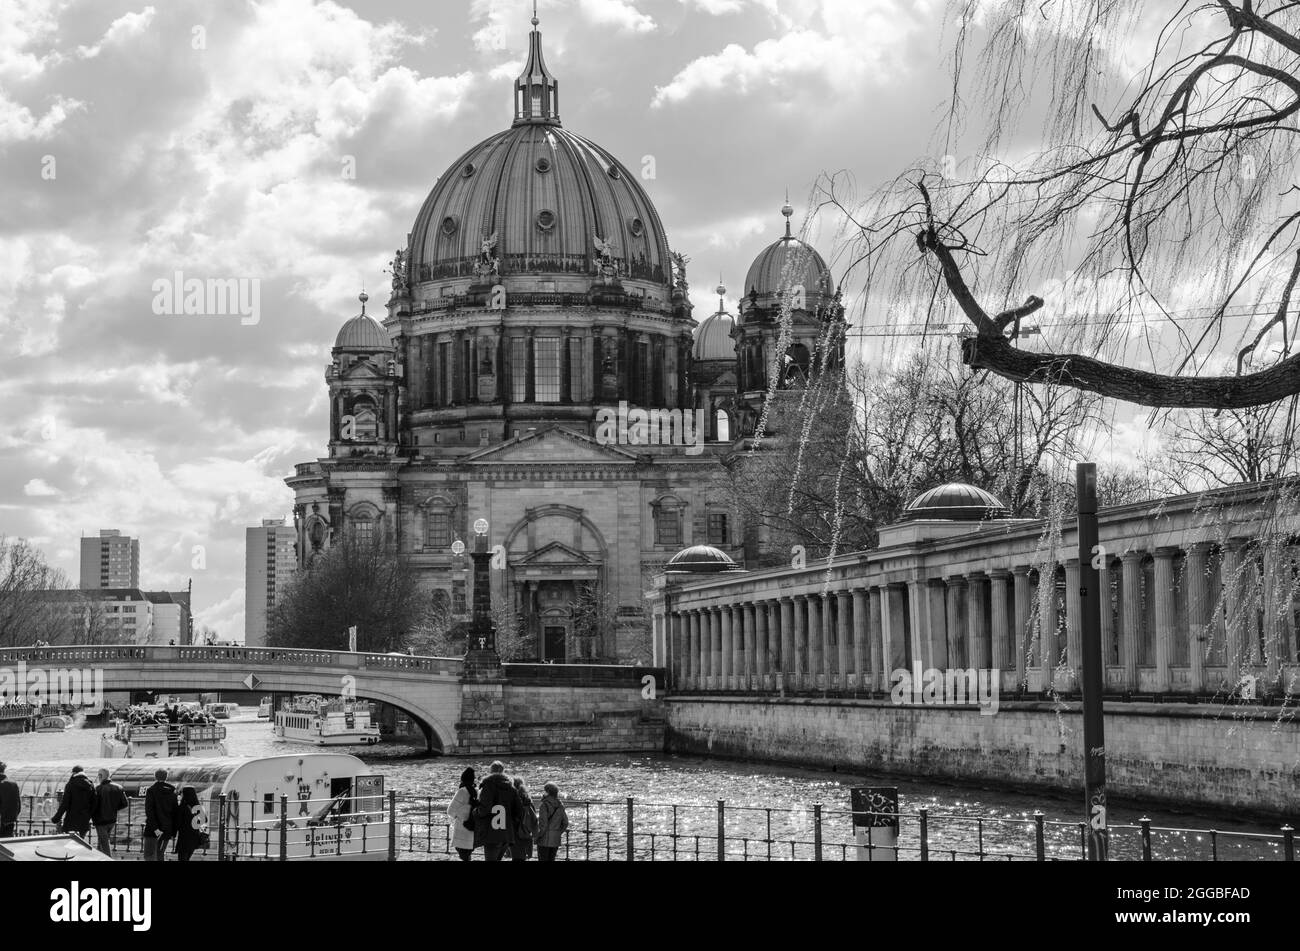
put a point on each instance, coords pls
(521, 850)
(11, 805)
(496, 815)
(77, 804)
(191, 825)
(552, 823)
(109, 801)
(159, 817)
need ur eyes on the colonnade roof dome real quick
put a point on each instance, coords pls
(956, 501)
(700, 559)
(538, 199)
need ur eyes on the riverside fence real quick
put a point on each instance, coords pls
(417, 828)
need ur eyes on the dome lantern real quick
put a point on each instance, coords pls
(537, 92)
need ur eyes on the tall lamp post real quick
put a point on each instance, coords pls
(1092, 672)
(482, 652)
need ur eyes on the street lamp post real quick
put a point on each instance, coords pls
(1092, 672)
(482, 649)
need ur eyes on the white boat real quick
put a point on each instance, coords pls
(334, 722)
(159, 740)
(53, 723)
(264, 709)
(334, 805)
(222, 711)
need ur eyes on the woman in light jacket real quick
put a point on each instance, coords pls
(459, 809)
(552, 823)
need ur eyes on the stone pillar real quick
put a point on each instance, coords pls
(1000, 635)
(1073, 625)
(800, 641)
(843, 607)
(1196, 586)
(693, 649)
(1024, 605)
(1238, 628)
(1273, 590)
(786, 678)
(936, 651)
(1047, 621)
(751, 645)
(728, 649)
(916, 645)
(813, 656)
(977, 621)
(860, 638)
(715, 639)
(877, 654)
(1132, 611)
(1107, 619)
(762, 633)
(1166, 615)
(896, 635)
(955, 595)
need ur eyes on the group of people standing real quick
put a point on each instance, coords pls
(499, 815)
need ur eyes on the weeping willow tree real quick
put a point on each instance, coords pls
(1149, 240)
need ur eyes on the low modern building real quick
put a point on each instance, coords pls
(119, 616)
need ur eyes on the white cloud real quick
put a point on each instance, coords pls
(618, 14)
(123, 28)
(39, 488)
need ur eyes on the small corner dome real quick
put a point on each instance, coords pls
(362, 333)
(700, 559)
(958, 502)
(713, 338)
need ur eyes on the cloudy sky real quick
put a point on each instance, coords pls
(215, 139)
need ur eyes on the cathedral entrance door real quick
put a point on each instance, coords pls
(553, 641)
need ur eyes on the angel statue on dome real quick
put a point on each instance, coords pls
(398, 269)
(488, 262)
(679, 262)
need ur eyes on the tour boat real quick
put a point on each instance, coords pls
(330, 805)
(335, 722)
(264, 709)
(157, 740)
(222, 711)
(53, 723)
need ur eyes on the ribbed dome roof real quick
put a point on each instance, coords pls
(806, 268)
(956, 501)
(362, 333)
(713, 338)
(547, 195)
(701, 559)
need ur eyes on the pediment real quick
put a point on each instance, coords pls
(557, 445)
(554, 553)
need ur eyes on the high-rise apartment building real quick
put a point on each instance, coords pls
(110, 560)
(269, 565)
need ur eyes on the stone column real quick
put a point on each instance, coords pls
(860, 638)
(715, 632)
(843, 607)
(936, 651)
(1047, 621)
(977, 621)
(1000, 635)
(815, 633)
(877, 652)
(728, 648)
(692, 658)
(1273, 590)
(1166, 615)
(916, 645)
(1073, 625)
(957, 621)
(787, 681)
(800, 641)
(896, 635)
(1238, 650)
(1196, 586)
(761, 628)
(1107, 619)
(750, 645)
(1128, 644)
(1024, 595)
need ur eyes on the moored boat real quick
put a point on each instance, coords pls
(322, 722)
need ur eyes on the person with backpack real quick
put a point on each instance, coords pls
(461, 811)
(497, 814)
(521, 850)
(552, 823)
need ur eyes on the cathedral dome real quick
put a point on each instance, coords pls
(538, 198)
(713, 336)
(789, 262)
(956, 501)
(362, 333)
(700, 559)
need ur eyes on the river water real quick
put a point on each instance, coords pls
(769, 809)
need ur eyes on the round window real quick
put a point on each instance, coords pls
(543, 164)
(636, 226)
(449, 225)
(546, 220)
(614, 172)
(468, 170)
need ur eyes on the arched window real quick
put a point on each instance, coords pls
(797, 361)
(439, 522)
(723, 425)
(363, 530)
(365, 420)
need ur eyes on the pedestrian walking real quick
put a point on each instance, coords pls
(496, 815)
(11, 805)
(191, 825)
(160, 809)
(552, 823)
(461, 811)
(526, 830)
(77, 804)
(110, 799)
